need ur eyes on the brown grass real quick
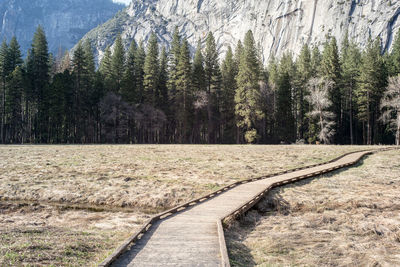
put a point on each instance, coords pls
(145, 177)
(349, 218)
(41, 235)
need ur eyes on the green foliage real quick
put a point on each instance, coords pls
(151, 71)
(229, 71)
(146, 97)
(117, 65)
(184, 92)
(213, 87)
(247, 96)
(106, 68)
(128, 89)
(40, 80)
(371, 84)
(139, 71)
(284, 111)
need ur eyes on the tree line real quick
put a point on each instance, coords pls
(146, 94)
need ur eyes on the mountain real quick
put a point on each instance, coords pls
(278, 26)
(65, 21)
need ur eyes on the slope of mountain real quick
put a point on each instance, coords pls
(278, 25)
(65, 21)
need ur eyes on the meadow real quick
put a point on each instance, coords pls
(71, 205)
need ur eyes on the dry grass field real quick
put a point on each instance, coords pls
(72, 205)
(348, 218)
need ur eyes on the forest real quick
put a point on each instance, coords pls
(148, 94)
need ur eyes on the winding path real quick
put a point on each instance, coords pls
(194, 236)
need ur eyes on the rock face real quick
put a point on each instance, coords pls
(65, 21)
(278, 25)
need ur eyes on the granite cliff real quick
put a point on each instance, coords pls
(278, 25)
(65, 21)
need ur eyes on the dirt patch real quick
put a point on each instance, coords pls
(348, 218)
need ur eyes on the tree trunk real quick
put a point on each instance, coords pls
(398, 129)
(210, 120)
(351, 118)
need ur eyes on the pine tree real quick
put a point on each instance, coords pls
(330, 70)
(174, 54)
(304, 73)
(394, 66)
(117, 63)
(199, 91)
(316, 59)
(128, 90)
(284, 106)
(198, 70)
(247, 95)
(151, 72)
(162, 101)
(238, 52)
(106, 69)
(14, 52)
(4, 69)
(350, 65)
(371, 84)
(79, 73)
(14, 105)
(139, 71)
(229, 71)
(89, 97)
(40, 82)
(14, 91)
(184, 92)
(213, 85)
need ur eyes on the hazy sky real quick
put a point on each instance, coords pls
(123, 1)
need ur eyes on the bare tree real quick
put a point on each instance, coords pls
(319, 100)
(390, 105)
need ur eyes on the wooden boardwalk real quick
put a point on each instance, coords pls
(193, 237)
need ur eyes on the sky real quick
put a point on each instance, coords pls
(126, 2)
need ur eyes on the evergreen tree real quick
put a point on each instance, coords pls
(184, 93)
(247, 95)
(106, 69)
(174, 55)
(198, 70)
(213, 85)
(4, 69)
(316, 59)
(238, 52)
(330, 70)
(350, 65)
(14, 105)
(89, 97)
(199, 90)
(151, 72)
(128, 90)
(79, 72)
(139, 71)
(117, 63)
(162, 101)
(40, 82)
(371, 84)
(229, 71)
(14, 52)
(284, 105)
(304, 73)
(394, 66)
